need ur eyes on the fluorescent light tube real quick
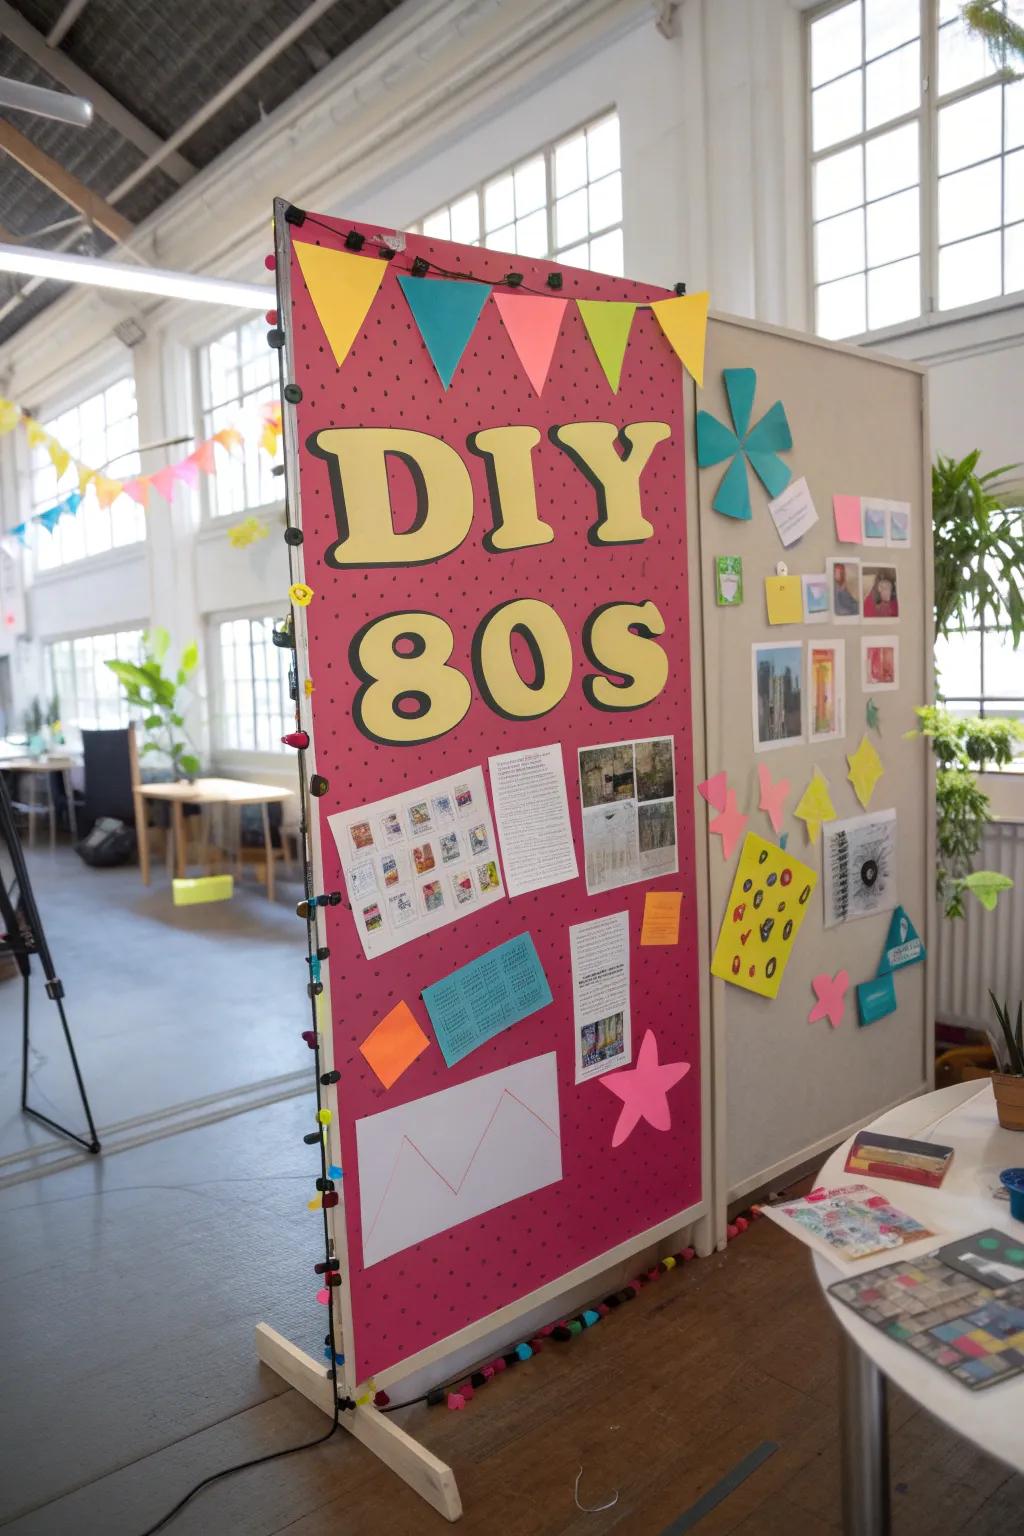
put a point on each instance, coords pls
(61, 267)
(36, 99)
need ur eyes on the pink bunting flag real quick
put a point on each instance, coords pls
(163, 482)
(204, 457)
(533, 324)
(138, 490)
(187, 471)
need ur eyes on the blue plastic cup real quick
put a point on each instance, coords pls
(1013, 1180)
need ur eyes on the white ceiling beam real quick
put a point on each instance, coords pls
(33, 44)
(65, 21)
(228, 92)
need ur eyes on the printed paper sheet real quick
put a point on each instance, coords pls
(600, 990)
(531, 810)
(627, 790)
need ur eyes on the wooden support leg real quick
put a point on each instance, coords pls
(178, 826)
(425, 1473)
(51, 809)
(70, 794)
(268, 850)
(142, 835)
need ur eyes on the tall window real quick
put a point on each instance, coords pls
(981, 674)
(87, 693)
(238, 374)
(252, 709)
(564, 202)
(103, 433)
(917, 164)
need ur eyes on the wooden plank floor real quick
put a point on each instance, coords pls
(134, 1285)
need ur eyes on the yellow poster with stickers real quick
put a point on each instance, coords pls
(767, 904)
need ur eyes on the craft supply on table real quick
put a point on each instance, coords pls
(898, 1157)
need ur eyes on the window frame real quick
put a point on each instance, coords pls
(990, 705)
(926, 114)
(133, 626)
(221, 754)
(209, 519)
(547, 149)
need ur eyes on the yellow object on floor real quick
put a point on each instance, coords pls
(191, 893)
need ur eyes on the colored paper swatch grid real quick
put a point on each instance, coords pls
(486, 1253)
(766, 907)
(974, 1334)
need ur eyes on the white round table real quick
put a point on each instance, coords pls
(963, 1117)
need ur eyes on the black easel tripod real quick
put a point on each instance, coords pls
(24, 937)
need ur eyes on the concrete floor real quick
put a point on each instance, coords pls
(169, 1006)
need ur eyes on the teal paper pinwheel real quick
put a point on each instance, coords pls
(759, 446)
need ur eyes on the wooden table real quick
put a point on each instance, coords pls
(204, 792)
(962, 1116)
(46, 765)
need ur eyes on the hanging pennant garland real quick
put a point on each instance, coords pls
(107, 489)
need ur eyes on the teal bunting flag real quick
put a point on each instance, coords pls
(446, 313)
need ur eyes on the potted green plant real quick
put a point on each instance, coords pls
(155, 694)
(1008, 1082)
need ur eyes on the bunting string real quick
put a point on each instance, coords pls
(106, 488)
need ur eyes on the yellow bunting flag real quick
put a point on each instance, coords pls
(107, 490)
(35, 433)
(229, 438)
(684, 321)
(270, 436)
(608, 324)
(10, 415)
(59, 456)
(342, 287)
(85, 477)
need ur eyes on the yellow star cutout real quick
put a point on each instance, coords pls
(865, 771)
(815, 805)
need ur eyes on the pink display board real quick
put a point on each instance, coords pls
(607, 1194)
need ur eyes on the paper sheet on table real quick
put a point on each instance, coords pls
(599, 954)
(784, 597)
(531, 812)
(793, 513)
(479, 1000)
(661, 918)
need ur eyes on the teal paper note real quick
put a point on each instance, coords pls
(903, 946)
(479, 1000)
(446, 314)
(876, 998)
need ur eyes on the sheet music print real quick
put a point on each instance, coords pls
(428, 1165)
(858, 866)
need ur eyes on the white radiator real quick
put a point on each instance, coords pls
(985, 949)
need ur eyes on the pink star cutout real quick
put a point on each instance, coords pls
(729, 825)
(831, 994)
(643, 1090)
(773, 796)
(713, 790)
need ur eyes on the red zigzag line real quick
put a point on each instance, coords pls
(506, 1093)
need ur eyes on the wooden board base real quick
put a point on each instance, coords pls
(424, 1472)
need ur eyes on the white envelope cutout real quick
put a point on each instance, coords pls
(427, 1165)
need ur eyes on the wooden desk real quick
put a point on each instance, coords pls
(204, 792)
(46, 765)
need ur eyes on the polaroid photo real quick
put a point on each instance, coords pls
(372, 917)
(881, 592)
(844, 580)
(394, 868)
(487, 877)
(876, 521)
(463, 799)
(450, 850)
(401, 908)
(777, 679)
(433, 895)
(443, 807)
(826, 690)
(899, 525)
(391, 829)
(478, 840)
(817, 608)
(418, 817)
(360, 836)
(462, 887)
(423, 858)
(880, 663)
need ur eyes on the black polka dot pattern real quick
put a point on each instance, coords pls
(427, 1292)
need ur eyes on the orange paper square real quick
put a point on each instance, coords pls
(395, 1044)
(661, 917)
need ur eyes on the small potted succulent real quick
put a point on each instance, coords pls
(1008, 1082)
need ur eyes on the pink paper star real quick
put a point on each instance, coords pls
(773, 796)
(713, 790)
(729, 825)
(831, 994)
(643, 1090)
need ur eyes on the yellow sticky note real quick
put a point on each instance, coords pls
(395, 1044)
(767, 904)
(190, 893)
(784, 596)
(661, 917)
